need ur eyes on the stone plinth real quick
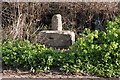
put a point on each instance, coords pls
(57, 39)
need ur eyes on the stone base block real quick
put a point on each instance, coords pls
(57, 39)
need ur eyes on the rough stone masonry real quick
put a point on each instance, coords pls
(57, 38)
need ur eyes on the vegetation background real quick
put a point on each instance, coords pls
(26, 20)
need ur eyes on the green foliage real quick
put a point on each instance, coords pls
(34, 57)
(97, 52)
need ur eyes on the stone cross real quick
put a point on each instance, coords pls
(57, 22)
(57, 37)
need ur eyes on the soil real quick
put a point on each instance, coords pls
(27, 74)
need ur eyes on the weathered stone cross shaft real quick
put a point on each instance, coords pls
(57, 37)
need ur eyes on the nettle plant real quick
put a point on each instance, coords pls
(96, 52)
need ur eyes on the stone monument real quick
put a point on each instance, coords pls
(57, 22)
(57, 38)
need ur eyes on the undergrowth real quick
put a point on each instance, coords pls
(95, 52)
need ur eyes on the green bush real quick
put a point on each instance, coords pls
(33, 57)
(97, 52)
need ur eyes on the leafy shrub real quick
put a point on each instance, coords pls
(34, 57)
(97, 52)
